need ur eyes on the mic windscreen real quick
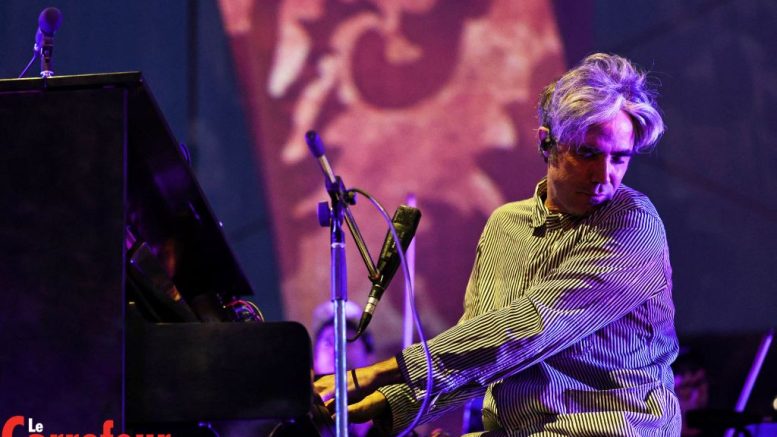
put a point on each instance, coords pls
(314, 143)
(49, 20)
(405, 221)
(38, 39)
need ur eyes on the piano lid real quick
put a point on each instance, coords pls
(165, 205)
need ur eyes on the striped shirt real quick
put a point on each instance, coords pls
(567, 327)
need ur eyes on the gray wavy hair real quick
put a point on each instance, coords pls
(593, 92)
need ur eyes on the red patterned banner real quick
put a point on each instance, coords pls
(431, 97)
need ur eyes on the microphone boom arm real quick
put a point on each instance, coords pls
(339, 194)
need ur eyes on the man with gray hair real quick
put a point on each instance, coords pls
(568, 316)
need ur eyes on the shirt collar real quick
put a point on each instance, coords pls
(541, 215)
(540, 212)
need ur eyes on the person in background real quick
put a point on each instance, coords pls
(359, 353)
(691, 386)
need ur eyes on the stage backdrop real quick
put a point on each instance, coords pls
(428, 97)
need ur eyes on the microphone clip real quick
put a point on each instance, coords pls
(338, 192)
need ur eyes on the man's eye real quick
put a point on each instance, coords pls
(620, 159)
(586, 153)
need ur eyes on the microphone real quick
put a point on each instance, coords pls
(405, 222)
(49, 21)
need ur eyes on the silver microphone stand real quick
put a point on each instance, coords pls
(333, 214)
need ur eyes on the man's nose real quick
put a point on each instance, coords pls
(600, 170)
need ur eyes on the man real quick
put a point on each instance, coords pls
(568, 318)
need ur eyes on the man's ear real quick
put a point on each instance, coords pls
(543, 134)
(545, 142)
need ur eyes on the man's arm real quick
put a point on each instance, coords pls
(615, 267)
(607, 274)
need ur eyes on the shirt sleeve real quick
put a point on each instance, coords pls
(617, 265)
(404, 405)
(401, 398)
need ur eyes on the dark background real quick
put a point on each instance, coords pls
(185, 57)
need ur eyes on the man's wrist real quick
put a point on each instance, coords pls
(383, 419)
(387, 372)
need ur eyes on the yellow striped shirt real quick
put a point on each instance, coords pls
(568, 326)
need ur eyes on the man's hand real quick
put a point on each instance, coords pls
(365, 402)
(373, 406)
(361, 381)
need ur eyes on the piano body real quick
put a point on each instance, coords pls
(116, 278)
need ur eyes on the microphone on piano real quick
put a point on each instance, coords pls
(49, 21)
(405, 222)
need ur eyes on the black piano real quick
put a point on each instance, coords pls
(121, 299)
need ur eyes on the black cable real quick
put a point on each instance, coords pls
(427, 401)
(34, 57)
(192, 78)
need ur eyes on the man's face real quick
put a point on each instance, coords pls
(580, 179)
